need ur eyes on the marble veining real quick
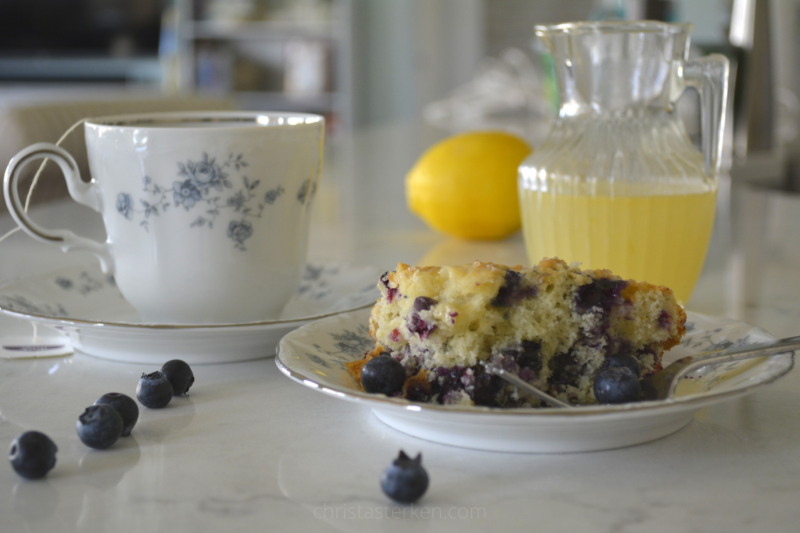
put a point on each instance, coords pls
(249, 448)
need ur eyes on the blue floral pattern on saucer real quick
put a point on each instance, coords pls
(87, 295)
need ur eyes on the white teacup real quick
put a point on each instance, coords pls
(206, 214)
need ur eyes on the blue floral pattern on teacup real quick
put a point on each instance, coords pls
(185, 194)
(125, 205)
(305, 193)
(202, 184)
(240, 231)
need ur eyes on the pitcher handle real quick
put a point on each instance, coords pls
(709, 75)
(80, 191)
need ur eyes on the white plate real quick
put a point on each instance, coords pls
(314, 355)
(87, 306)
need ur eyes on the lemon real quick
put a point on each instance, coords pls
(466, 185)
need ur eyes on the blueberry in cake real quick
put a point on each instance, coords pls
(553, 325)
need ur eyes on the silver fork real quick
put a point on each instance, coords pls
(527, 387)
(662, 385)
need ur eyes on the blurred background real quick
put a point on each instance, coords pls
(364, 62)
(459, 64)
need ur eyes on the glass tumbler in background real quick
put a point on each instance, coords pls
(617, 184)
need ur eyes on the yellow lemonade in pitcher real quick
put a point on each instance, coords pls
(661, 239)
(617, 183)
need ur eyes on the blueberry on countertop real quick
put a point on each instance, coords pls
(126, 408)
(623, 359)
(383, 375)
(405, 480)
(154, 390)
(179, 375)
(617, 384)
(99, 426)
(32, 454)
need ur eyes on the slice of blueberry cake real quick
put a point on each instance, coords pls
(553, 325)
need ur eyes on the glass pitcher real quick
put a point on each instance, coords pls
(618, 184)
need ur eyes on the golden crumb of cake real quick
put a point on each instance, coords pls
(554, 323)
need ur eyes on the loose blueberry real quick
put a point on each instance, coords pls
(154, 390)
(179, 375)
(405, 480)
(383, 375)
(623, 360)
(99, 426)
(617, 385)
(32, 454)
(126, 408)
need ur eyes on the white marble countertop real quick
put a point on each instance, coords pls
(250, 450)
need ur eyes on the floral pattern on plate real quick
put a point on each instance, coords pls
(314, 355)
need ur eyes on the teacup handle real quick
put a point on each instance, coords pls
(709, 75)
(81, 192)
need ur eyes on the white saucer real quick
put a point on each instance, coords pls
(314, 355)
(86, 305)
